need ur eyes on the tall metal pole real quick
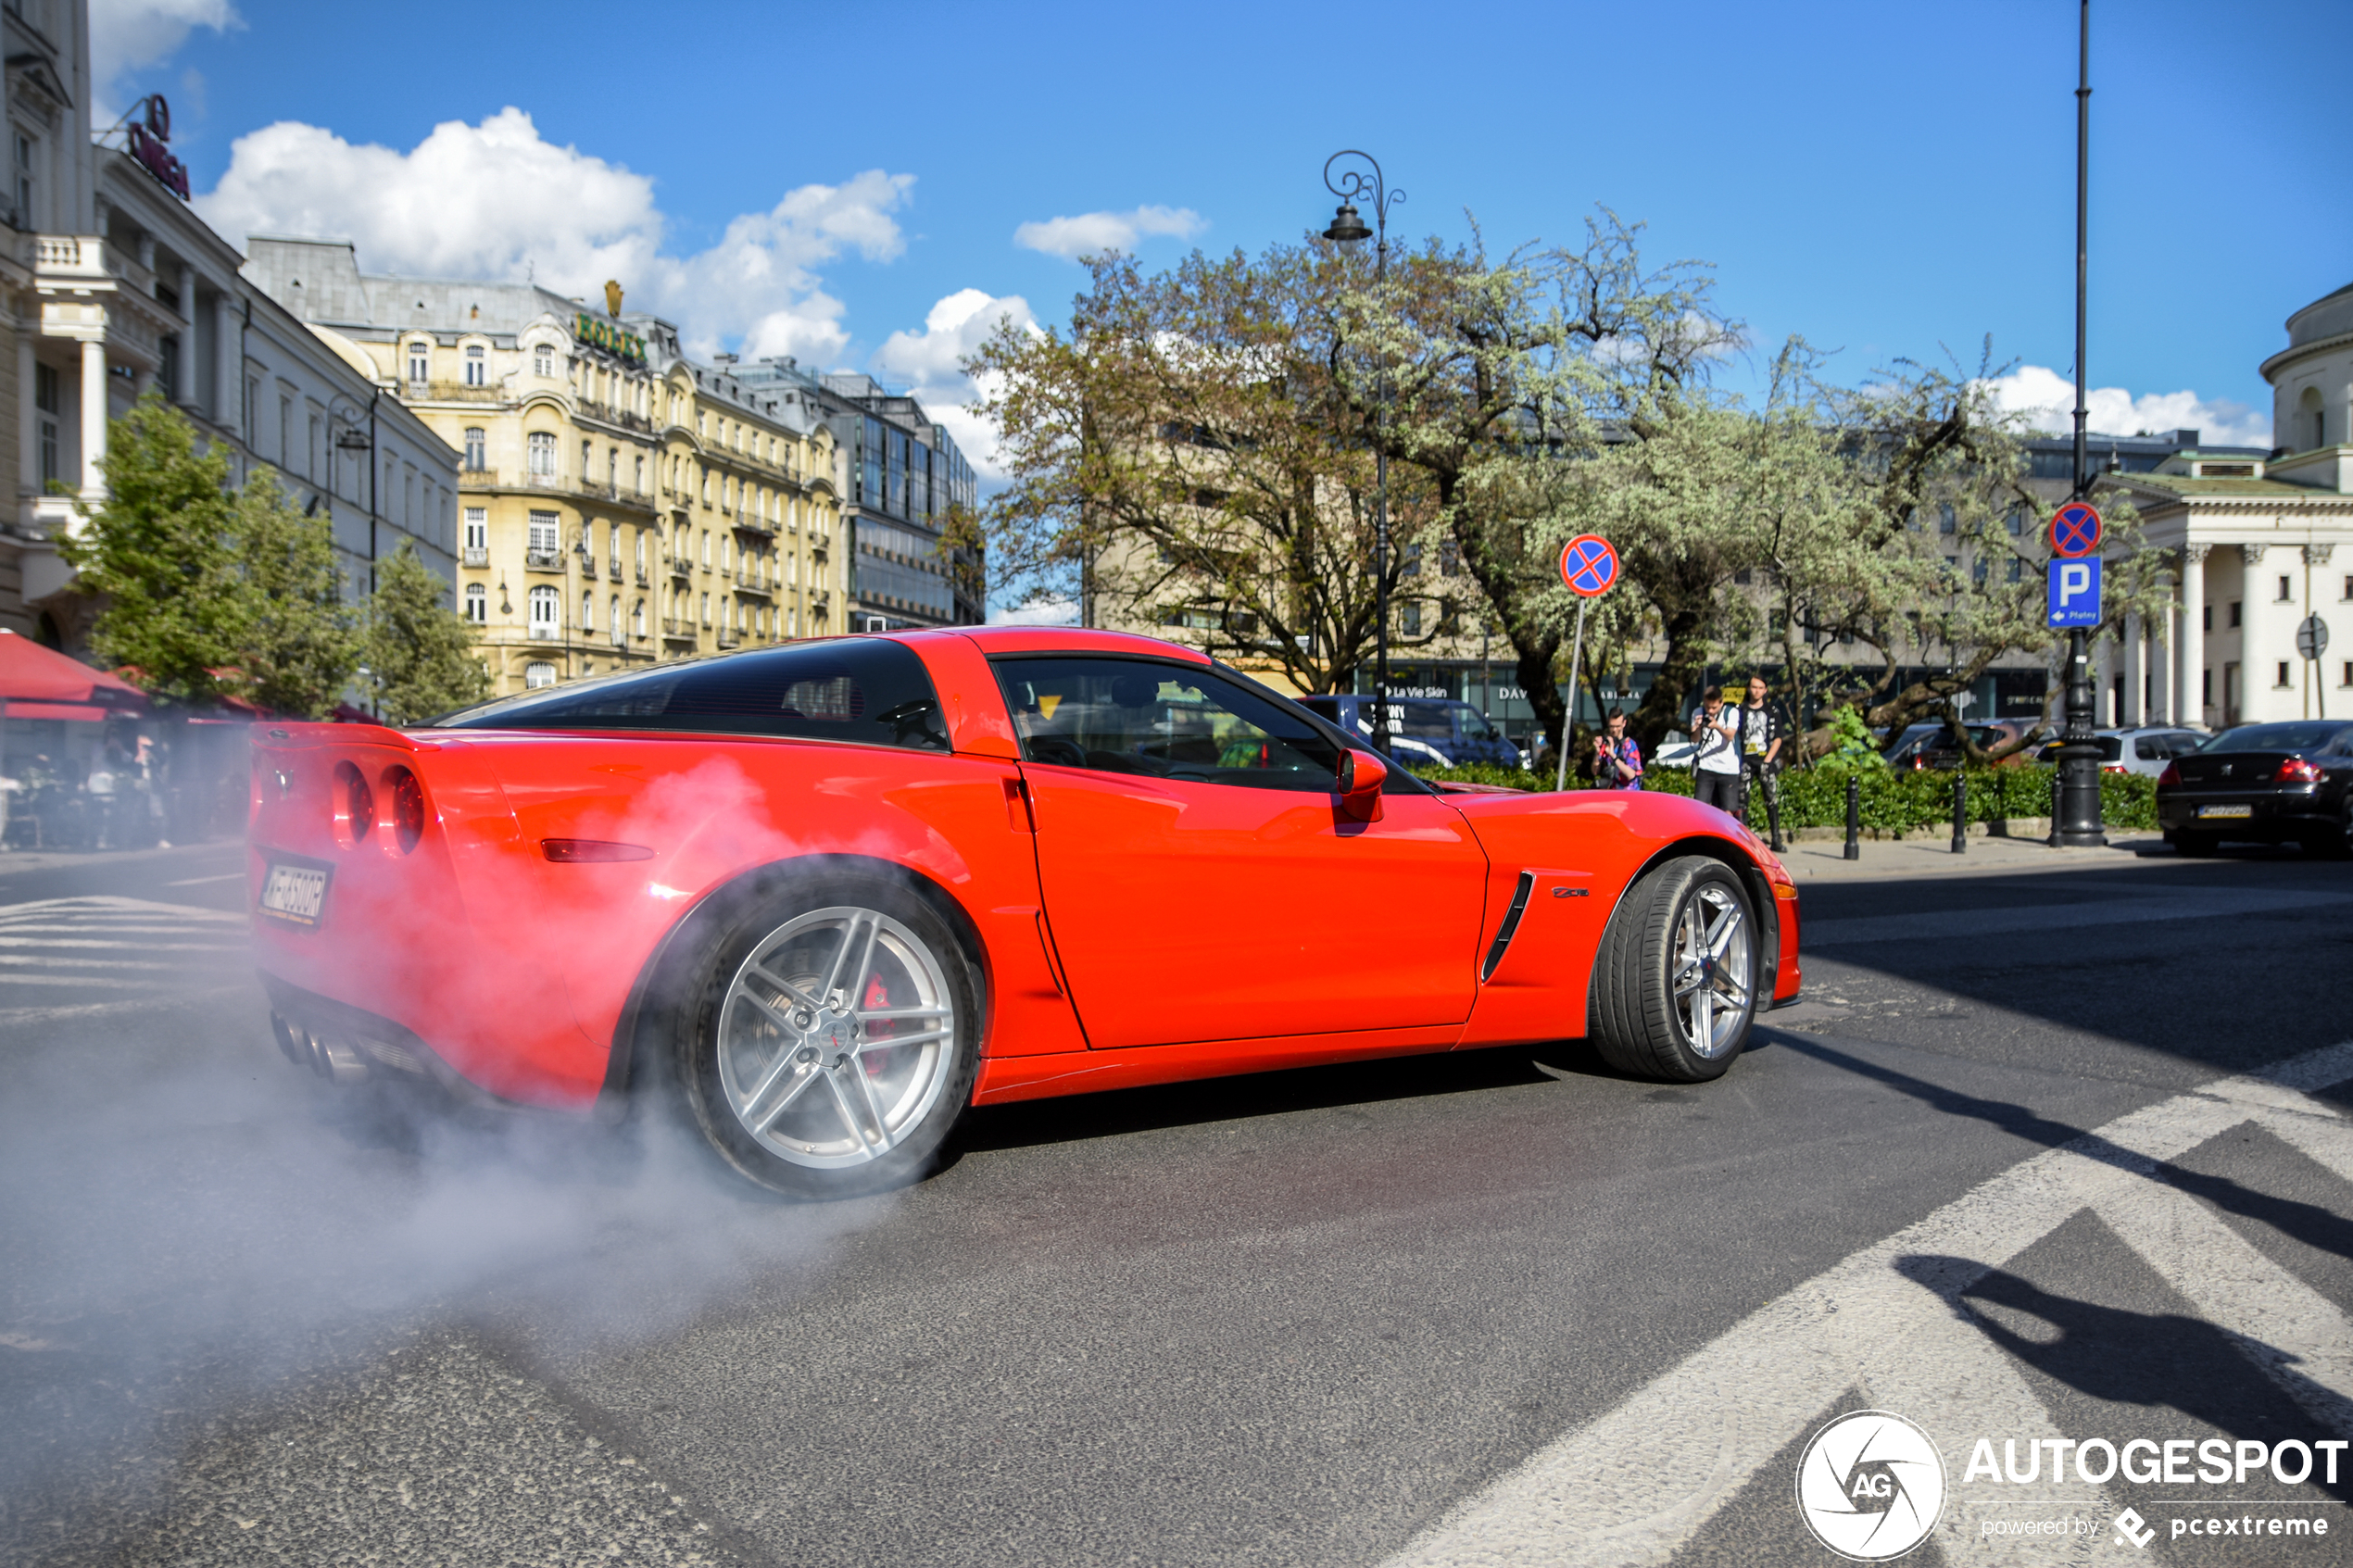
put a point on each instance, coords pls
(1568, 725)
(2079, 823)
(1347, 229)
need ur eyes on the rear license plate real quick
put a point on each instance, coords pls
(2226, 810)
(295, 893)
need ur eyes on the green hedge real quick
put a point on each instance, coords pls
(1893, 799)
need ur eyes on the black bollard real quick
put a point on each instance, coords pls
(2056, 786)
(1960, 813)
(1854, 817)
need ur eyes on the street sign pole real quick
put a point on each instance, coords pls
(1589, 566)
(1568, 724)
(2078, 754)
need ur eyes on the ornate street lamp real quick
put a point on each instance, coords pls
(1348, 229)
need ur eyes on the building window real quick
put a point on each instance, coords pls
(637, 618)
(1945, 522)
(588, 612)
(2235, 612)
(477, 365)
(618, 635)
(538, 672)
(547, 612)
(44, 397)
(545, 538)
(2205, 618)
(543, 454)
(25, 182)
(420, 363)
(477, 603)
(477, 449)
(2347, 681)
(477, 530)
(2018, 570)
(2282, 679)
(543, 360)
(585, 448)
(1979, 568)
(637, 482)
(2287, 591)
(285, 432)
(705, 610)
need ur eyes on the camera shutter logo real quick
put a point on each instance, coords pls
(1871, 1486)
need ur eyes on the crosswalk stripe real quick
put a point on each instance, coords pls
(107, 942)
(1634, 1485)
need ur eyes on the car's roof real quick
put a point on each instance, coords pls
(1059, 639)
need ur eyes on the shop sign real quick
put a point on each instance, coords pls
(150, 146)
(605, 335)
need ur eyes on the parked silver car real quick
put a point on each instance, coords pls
(2146, 749)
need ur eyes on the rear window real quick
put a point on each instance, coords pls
(2274, 737)
(872, 690)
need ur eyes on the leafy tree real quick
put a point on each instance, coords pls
(209, 591)
(301, 644)
(420, 652)
(1185, 440)
(161, 551)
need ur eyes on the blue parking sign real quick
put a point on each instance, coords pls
(2075, 592)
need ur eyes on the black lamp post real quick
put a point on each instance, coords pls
(1348, 229)
(349, 440)
(2079, 824)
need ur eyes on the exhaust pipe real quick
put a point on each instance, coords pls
(331, 1059)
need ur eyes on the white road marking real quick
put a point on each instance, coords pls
(208, 881)
(1634, 1485)
(114, 943)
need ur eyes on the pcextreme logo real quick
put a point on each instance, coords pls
(1871, 1486)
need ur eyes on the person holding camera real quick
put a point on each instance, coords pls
(1617, 757)
(1716, 771)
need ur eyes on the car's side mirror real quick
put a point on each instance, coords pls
(1361, 776)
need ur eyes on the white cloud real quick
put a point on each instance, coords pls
(1091, 234)
(128, 34)
(931, 363)
(1041, 612)
(493, 200)
(2047, 399)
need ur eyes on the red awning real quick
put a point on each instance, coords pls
(80, 712)
(30, 672)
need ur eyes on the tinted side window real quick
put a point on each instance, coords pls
(869, 690)
(1162, 720)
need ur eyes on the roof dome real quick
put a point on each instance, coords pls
(2329, 316)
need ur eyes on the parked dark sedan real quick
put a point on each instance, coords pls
(2263, 784)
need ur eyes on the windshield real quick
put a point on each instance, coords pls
(2305, 737)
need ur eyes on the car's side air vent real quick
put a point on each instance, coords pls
(1511, 924)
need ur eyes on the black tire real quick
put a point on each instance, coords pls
(857, 1115)
(1633, 1017)
(2197, 845)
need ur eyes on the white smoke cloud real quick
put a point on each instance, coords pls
(1093, 232)
(931, 363)
(495, 200)
(2047, 400)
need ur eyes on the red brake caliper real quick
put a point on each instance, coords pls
(877, 999)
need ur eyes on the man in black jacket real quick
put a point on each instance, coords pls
(1760, 751)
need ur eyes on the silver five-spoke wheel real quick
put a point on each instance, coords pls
(1713, 971)
(835, 1036)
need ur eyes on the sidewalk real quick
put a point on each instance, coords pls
(1926, 855)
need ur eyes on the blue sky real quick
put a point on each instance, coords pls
(1887, 179)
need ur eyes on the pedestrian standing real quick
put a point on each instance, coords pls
(1617, 757)
(1715, 772)
(1760, 748)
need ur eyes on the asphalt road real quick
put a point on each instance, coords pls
(1501, 1307)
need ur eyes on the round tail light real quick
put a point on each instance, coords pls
(355, 804)
(408, 807)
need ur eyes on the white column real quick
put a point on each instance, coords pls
(229, 363)
(184, 390)
(2190, 702)
(94, 419)
(2135, 662)
(2255, 658)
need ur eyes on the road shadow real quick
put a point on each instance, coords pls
(2153, 1361)
(1114, 1113)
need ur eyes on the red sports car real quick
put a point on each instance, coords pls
(823, 897)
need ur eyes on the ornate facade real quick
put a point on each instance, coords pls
(620, 504)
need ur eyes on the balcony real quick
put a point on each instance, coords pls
(451, 392)
(477, 554)
(613, 570)
(642, 582)
(749, 586)
(681, 567)
(677, 631)
(544, 633)
(544, 560)
(728, 638)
